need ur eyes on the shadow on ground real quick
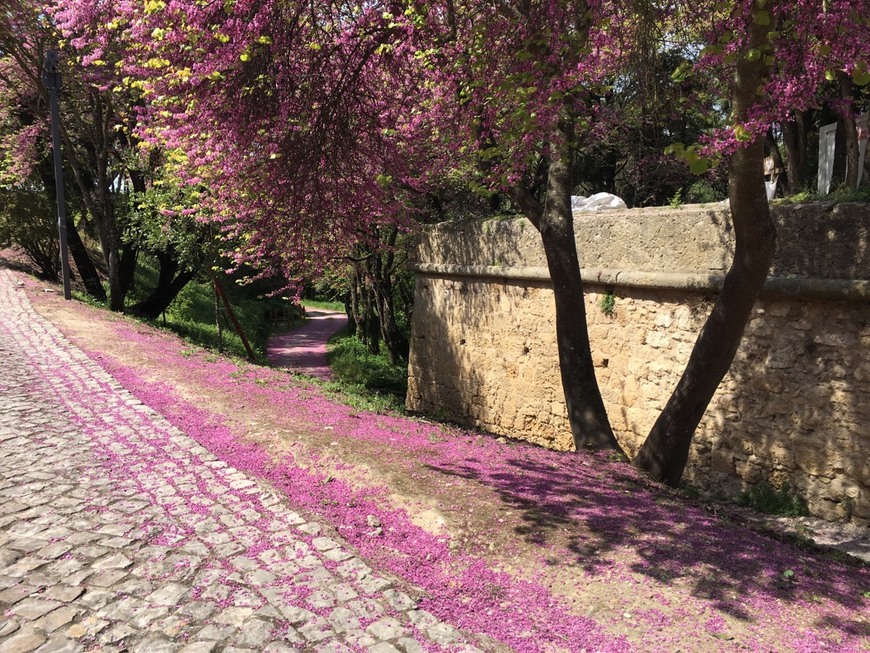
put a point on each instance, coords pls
(604, 510)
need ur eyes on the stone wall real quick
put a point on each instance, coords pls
(795, 407)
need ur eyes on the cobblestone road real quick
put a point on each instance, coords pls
(120, 533)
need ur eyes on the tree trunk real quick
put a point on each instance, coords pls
(850, 129)
(369, 324)
(349, 311)
(129, 257)
(794, 136)
(87, 271)
(85, 266)
(110, 241)
(587, 416)
(381, 272)
(102, 211)
(665, 452)
(96, 194)
(772, 148)
(363, 308)
(394, 340)
(170, 282)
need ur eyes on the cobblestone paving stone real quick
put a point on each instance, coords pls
(120, 533)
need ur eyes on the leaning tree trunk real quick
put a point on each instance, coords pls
(87, 271)
(170, 282)
(587, 416)
(84, 264)
(665, 452)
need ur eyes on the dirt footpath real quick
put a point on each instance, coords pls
(303, 349)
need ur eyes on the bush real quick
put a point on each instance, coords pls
(27, 220)
(773, 501)
(192, 313)
(364, 380)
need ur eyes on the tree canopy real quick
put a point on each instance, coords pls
(306, 129)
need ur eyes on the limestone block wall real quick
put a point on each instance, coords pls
(794, 408)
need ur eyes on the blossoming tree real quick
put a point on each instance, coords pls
(315, 123)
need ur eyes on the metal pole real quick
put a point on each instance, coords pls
(51, 79)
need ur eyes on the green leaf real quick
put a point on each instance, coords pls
(830, 75)
(761, 18)
(753, 55)
(682, 71)
(699, 167)
(742, 134)
(860, 75)
(824, 50)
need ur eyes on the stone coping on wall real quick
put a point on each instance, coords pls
(690, 246)
(782, 287)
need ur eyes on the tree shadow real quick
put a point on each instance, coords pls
(482, 353)
(601, 509)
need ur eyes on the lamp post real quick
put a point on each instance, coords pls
(52, 81)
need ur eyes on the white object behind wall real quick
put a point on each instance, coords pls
(827, 148)
(827, 145)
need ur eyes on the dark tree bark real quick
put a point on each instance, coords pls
(129, 257)
(170, 282)
(96, 192)
(362, 306)
(381, 273)
(371, 304)
(772, 148)
(349, 310)
(85, 266)
(850, 130)
(665, 452)
(587, 416)
(794, 136)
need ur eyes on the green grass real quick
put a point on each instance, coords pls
(773, 501)
(364, 380)
(325, 305)
(85, 298)
(360, 379)
(192, 314)
(842, 194)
